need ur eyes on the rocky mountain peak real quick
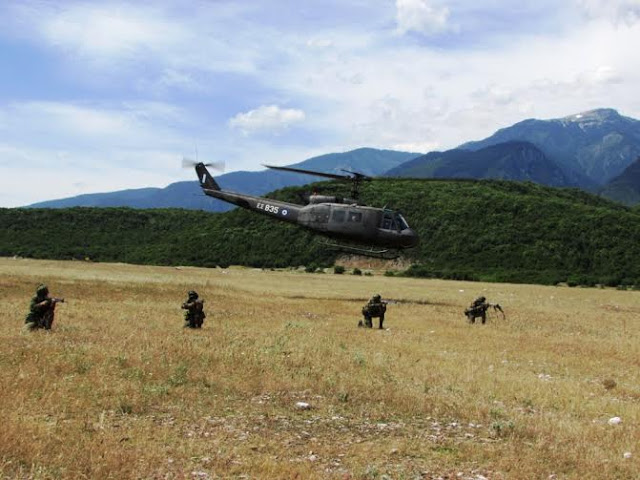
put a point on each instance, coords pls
(598, 115)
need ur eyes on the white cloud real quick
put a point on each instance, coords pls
(421, 16)
(617, 11)
(77, 124)
(267, 118)
(418, 147)
(606, 74)
(319, 43)
(135, 40)
(96, 30)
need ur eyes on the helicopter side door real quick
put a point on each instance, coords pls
(319, 217)
(388, 221)
(349, 222)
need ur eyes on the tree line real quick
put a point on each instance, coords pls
(485, 230)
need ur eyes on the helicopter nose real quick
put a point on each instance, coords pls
(409, 238)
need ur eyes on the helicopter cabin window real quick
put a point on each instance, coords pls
(355, 217)
(338, 216)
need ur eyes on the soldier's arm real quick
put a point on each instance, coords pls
(43, 305)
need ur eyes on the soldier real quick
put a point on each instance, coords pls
(478, 309)
(375, 308)
(41, 309)
(194, 315)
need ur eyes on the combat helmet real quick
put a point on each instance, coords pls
(377, 297)
(193, 295)
(42, 290)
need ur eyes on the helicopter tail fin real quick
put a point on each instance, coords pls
(206, 180)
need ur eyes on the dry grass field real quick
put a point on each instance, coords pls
(118, 389)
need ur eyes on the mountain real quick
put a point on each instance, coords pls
(488, 230)
(592, 147)
(188, 194)
(625, 188)
(514, 160)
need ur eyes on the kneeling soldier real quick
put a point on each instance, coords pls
(41, 310)
(478, 309)
(375, 308)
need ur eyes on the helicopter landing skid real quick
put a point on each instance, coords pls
(385, 254)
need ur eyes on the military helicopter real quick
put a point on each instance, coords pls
(342, 219)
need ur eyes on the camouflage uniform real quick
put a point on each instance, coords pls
(41, 310)
(375, 308)
(477, 309)
(194, 315)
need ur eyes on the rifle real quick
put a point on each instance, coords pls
(498, 308)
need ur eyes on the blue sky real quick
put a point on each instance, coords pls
(103, 96)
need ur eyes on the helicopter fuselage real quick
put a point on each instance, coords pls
(342, 221)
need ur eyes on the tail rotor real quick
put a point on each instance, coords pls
(190, 163)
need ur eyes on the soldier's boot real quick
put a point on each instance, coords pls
(368, 322)
(484, 319)
(381, 321)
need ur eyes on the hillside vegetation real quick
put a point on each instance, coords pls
(477, 230)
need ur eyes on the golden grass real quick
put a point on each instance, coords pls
(119, 390)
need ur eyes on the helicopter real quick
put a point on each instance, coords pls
(340, 219)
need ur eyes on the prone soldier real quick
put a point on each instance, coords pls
(194, 315)
(478, 309)
(41, 309)
(375, 308)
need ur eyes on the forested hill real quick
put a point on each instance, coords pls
(477, 229)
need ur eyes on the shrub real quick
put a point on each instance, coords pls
(338, 269)
(356, 271)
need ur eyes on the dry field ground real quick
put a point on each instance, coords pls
(118, 389)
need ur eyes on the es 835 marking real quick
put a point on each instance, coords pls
(267, 208)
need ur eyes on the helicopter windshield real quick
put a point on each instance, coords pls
(393, 221)
(401, 222)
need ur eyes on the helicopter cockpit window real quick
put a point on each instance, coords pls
(338, 216)
(355, 217)
(402, 223)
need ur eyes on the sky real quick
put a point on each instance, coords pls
(105, 96)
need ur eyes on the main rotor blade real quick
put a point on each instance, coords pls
(358, 175)
(310, 172)
(190, 163)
